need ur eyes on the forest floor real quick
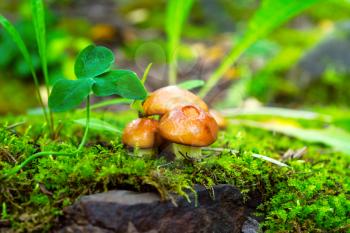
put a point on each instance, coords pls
(311, 195)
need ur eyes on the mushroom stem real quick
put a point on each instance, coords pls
(144, 152)
(187, 152)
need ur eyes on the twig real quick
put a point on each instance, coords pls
(259, 156)
(15, 125)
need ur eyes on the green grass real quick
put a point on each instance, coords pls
(311, 196)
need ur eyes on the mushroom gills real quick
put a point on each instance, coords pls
(186, 152)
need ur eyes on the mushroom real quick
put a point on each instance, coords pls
(142, 135)
(220, 120)
(188, 128)
(165, 99)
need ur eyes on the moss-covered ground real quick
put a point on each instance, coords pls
(312, 195)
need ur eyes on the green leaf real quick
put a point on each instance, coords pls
(278, 112)
(69, 94)
(176, 15)
(93, 61)
(118, 101)
(11, 30)
(332, 136)
(99, 125)
(191, 84)
(121, 82)
(269, 16)
(40, 33)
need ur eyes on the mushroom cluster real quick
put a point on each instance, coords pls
(185, 123)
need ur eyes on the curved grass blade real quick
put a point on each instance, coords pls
(118, 101)
(11, 30)
(332, 136)
(269, 16)
(137, 104)
(145, 74)
(38, 12)
(191, 84)
(99, 125)
(40, 33)
(278, 112)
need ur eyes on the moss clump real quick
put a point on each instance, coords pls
(311, 196)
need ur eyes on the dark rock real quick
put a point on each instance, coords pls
(219, 210)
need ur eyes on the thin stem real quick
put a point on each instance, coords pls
(145, 74)
(47, 153)
(83, 141)
(35, 156)
(186, 152)
(116, 101)
(144, 152)
(47, 84)
(259, 156)
(37, 89)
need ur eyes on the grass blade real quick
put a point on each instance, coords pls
(11, 30)
(99, 125)
(117, 101)
(271, 160)
(38, 14)
(332, 136)
(40, 33)
(259, 156)
(145, 73)
(176, 15)
(278, 112)
(191, 84)
(270, 15)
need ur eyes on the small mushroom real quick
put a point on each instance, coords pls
(188, 128)
(219, 118)
(142, 135)
(167, 98)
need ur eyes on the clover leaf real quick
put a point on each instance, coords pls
(92, 68)
(93, 61)
(121, 82)
(69, 94)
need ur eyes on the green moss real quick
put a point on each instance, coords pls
(311, 196)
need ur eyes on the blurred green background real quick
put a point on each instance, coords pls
(303, 64)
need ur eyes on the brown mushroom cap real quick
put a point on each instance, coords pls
(165, 99)
(188, 125)
(141, 133)
(220, 120)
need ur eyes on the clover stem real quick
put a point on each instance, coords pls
(87, 125)
(187, 152)
(16, 169)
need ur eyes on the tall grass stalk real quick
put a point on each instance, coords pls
(11, 30)
(38, 14)
(176, 14)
